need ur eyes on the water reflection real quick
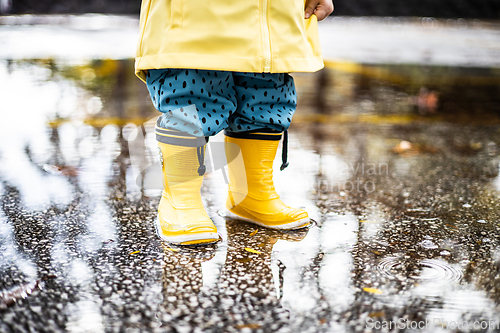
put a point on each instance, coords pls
(405, 195)
(245, 289)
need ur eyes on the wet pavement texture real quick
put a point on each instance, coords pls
(397, 164)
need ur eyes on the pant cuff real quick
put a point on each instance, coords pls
(265, 134)
(178, 138)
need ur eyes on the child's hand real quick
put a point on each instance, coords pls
(320, 8)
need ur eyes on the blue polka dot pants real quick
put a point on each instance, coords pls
(202, 102)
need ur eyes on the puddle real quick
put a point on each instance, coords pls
(402, 181)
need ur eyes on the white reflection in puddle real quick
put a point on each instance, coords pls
(298, 295)
(38, 190)
(338, 236)
(109, 141)
(79, 272)
(211, 269)
(59, 255)
(335, 277)
(24, 127)
(338, 231)
(295, 184)
(496, 181)
(324, 251)
(84, 316)
(67, 143)
(95, 172)
(100, 227)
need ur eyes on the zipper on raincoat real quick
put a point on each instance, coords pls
(266, 36)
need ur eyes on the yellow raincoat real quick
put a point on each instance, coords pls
(234, 35)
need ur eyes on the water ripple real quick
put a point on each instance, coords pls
(424, 270)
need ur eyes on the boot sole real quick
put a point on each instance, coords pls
(299, 224)
(199, 239)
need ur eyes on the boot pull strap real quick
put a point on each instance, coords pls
(200, 151)
(284, 152)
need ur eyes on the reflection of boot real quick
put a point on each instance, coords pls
(182, 219)
(248, 261)
(241, 234)
(252, 196)
(183, 278)
(247, 280)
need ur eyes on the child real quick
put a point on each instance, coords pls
(222, 65)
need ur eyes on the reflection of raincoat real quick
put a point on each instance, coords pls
(247, 35)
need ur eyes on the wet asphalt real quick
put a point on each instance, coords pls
(403, 184)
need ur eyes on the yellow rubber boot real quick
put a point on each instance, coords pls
(182, 219)
(252, 196)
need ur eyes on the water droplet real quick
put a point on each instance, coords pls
(427, 244)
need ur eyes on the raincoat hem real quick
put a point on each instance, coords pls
(233, 64)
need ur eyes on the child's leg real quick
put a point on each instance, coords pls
(195, 104)
(182, 219)
(202, 103)
(215, 100)
(266, 103)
